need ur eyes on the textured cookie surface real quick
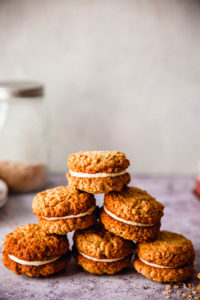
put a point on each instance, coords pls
(62, 201)
(164, 275)
(30, 243)
(44, 270)
(99, 185)
(169, 249)
(129, 232)
(99, 243)
(99, 268)
(64, 226)
(135, 205)
(98, 162)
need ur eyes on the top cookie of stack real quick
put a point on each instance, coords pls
(98, 172)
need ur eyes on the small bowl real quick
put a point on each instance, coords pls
(3, 192)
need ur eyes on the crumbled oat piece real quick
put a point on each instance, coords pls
(168, 286)
(167, 297)
(179, 292)
(189, 286)
(176, 285)
(194, 292)
(166, 292)
(187, 296)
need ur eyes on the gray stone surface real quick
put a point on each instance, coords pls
(182, 214)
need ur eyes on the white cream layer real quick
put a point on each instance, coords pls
(108, 260)
(88, 212)
(97, 175)
(32, 263)
(154, 265)
(125, 221)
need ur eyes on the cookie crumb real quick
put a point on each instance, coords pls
(168, 286)
(187, 296)
(189, 286)
(179, 292)
(198, 276)
(198, 287)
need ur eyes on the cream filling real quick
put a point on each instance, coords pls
(32, 263)
(125, 221)
(108, 260)
(88, 212)
(154, 265)
(97, 175)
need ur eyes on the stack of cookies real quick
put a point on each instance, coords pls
(97, 250)
(104, 239)
(43, 249)
(130, 214)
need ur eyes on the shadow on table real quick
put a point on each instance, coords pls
(73, 269)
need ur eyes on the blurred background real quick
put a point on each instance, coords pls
(119, 75)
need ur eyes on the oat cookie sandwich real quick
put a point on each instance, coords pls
(98, 171)
(31, 251)
(64, 209)
(99, 251)
(170, 258)
(132, 214)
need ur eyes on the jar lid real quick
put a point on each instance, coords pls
(20, 89)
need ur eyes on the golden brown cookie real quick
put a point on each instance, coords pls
(164, 275)
(64, 209)
(31, 251)
(98, 172)
(168, 258)
(132, 214)
(99, 251)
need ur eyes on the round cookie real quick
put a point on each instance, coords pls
(64, 209)
(98, 171)
(31, 251)
(132, 214)
(169, 258)
(101, 252)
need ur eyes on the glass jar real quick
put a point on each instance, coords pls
(23, 136)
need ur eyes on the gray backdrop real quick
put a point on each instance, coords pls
(119, 74)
